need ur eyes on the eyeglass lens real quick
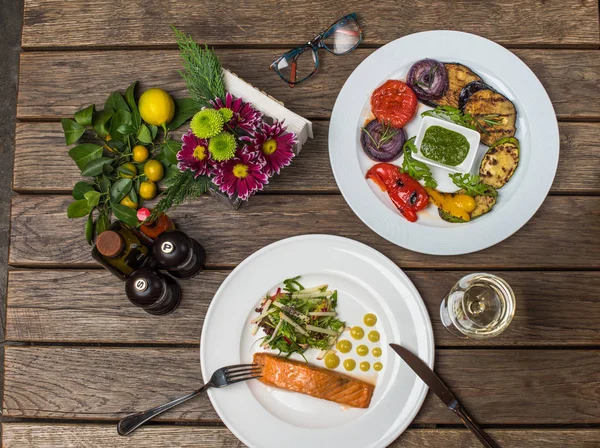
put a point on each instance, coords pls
(297, 66)
(343, 36)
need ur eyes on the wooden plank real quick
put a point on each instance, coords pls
(74, 306)
(41, 435)
(51, 23)
(42, 235)
(55, 172)
(57, 84)
(497, 386)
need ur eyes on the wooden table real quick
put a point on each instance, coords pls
(78, 356)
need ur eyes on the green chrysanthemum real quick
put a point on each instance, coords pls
(207, 123)
(222, 146)
(227, 113)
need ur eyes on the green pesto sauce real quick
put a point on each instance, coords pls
(444, 146)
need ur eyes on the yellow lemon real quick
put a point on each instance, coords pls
(127, 202)
(147, 190)
(154, 170)
(132, 171)
(156, 107)
(139, 153)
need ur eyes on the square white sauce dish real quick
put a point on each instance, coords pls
(460, 149)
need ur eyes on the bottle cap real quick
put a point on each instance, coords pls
(109, 243)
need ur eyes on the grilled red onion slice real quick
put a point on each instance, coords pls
(428, 78)
(381, 142)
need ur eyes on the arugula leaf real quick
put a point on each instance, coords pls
(415, 169)
(452, 114)
(472, 185)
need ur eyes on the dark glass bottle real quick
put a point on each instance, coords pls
(152, 291)
(178, 254)
(121, 250)
(154, 228)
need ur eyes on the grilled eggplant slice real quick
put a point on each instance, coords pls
(500, 162)
(458, 77)
(495, 115)
(469, 90)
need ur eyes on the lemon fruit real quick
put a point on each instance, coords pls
(147, 190)
(154, 170)
(140, 153)
(127, 202)
(129, 167)
(156, 107)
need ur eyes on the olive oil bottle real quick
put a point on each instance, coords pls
(121, 250)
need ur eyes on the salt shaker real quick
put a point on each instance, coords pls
(154, 292)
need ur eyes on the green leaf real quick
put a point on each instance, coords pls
(126, 129)
(85, 153)
(84, 116)
(100, 120)
(144, 135)
(102, 223)
(124, 170)
(133, 195)
(95, 166)
(89, 229)
(130, 96)
(119, 190)
(80, 189)
(170, 174)
(185, 108)
(125, 214)
(153, 130)
(92, 198)
(116, 102)
(104, 184)
(120, 118)
(78, 209)
(73, 130)
(169, 150)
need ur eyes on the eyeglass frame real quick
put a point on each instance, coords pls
(315, 44)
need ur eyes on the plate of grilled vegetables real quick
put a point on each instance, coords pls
(316, 313)
(444, 142)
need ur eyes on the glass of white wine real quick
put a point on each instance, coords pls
(478, 306)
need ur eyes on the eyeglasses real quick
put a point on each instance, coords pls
(302, 62)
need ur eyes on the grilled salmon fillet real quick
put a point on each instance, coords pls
(314, 381)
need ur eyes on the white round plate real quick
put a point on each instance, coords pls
(366, 281)
(518, 200)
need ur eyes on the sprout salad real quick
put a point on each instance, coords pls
(296, 318)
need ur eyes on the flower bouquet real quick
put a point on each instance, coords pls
(233, 146)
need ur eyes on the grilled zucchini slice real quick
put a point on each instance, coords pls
(484, 204)
(494, 113)
(500, 162)
(458, 77)
(449, 218)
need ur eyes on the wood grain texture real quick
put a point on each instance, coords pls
(57, 84)
(562, 234)
(53, 23)
(578, 170)
(74, 306)
(496, 386)
(41, 435)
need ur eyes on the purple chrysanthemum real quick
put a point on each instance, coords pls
(241, 176)
(272, 145)
(245, 116)
(194, 155)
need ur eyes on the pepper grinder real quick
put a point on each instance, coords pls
(178, 254)
(152, 291)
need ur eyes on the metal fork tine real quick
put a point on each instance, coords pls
(244, 379)
(234, 366)
(246, 372)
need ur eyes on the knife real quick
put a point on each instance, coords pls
(440, 389)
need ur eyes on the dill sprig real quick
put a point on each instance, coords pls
(202, 70)
(181, 188)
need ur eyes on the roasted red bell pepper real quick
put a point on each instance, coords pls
(406, 193)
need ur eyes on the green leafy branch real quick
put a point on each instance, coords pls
(414, 168)
(472, 185)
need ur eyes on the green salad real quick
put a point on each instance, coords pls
(296, 318)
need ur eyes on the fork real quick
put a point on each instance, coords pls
(223, 377)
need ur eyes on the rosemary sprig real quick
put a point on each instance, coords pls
(202, 70)
(388, 133)
(181, 188)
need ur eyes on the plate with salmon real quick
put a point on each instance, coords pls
(317, 313)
